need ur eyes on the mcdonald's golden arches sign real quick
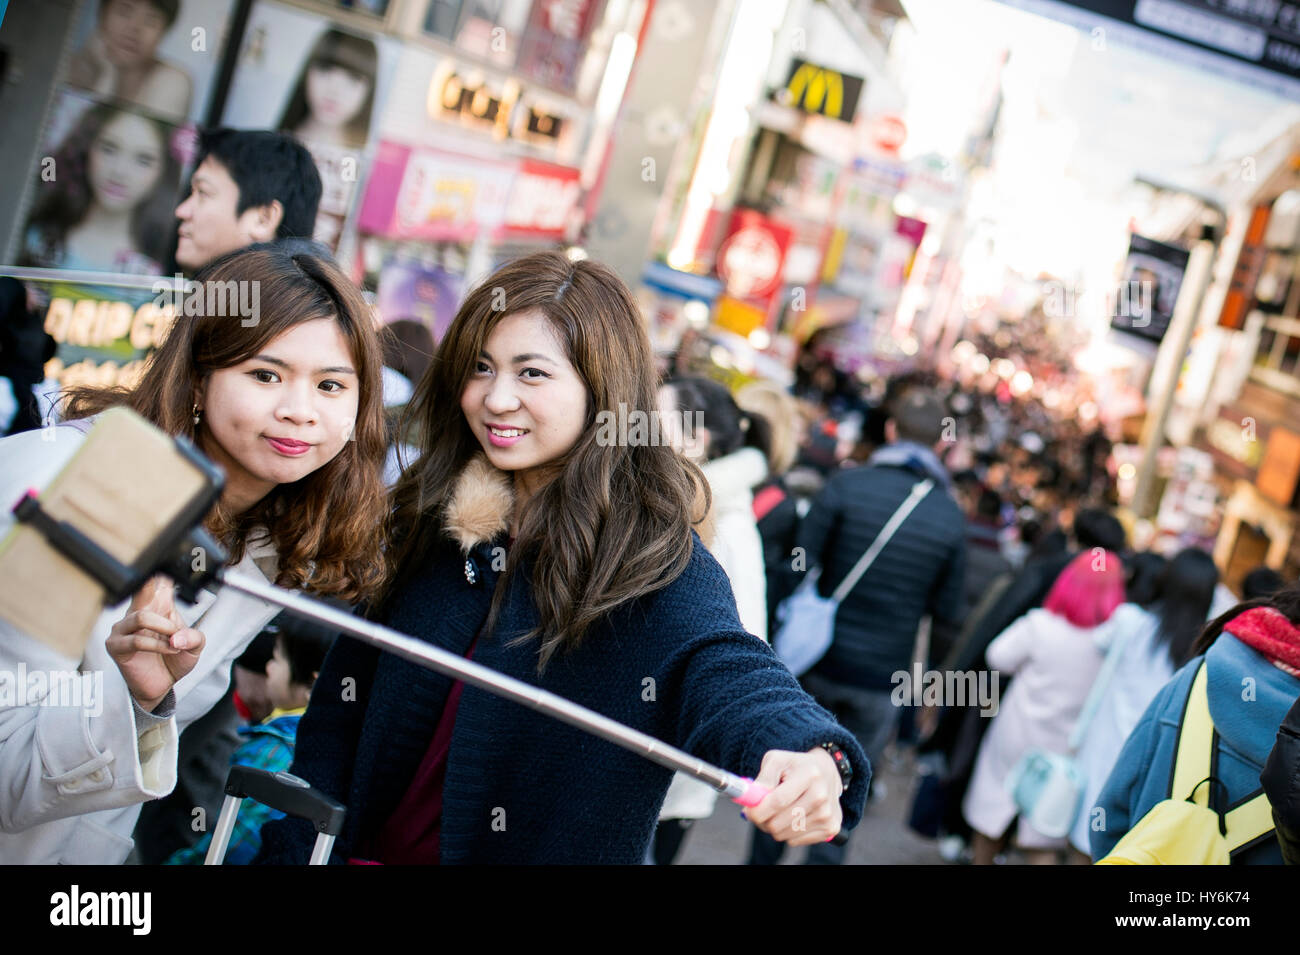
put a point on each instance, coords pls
(818, 89)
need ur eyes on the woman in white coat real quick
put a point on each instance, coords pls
(1158, 626)
(1052, 652)
(289, 406)
(702, 420)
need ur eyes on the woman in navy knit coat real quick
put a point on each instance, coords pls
(546, 532)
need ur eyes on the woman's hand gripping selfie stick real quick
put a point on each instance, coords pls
(180, 534)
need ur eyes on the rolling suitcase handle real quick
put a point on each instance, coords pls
(285, 792)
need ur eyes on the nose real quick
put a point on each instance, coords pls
(118, 168)
(501, 397)
(183, 210)
(298, 405)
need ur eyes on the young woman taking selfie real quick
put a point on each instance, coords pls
(289, 406)
(527, 540)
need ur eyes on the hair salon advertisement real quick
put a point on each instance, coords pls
(298, 73)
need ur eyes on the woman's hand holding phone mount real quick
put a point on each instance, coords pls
(151, 644)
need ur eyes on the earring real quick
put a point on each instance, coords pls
(196, 413)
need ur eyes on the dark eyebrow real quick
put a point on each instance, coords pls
(335, 370)
(519, 359)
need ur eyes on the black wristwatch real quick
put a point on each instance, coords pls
(841, 762)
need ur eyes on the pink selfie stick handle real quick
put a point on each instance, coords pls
(752, 795)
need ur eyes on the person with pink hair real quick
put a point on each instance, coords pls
(1053, 654)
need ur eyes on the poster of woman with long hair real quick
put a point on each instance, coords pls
(334, 96)
(300, 74)
(106, 194)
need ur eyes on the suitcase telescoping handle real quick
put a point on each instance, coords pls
(285, 792)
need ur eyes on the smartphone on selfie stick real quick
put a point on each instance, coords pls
(130, 504)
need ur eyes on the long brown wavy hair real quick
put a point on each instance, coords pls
(324, 526)
(615, 521)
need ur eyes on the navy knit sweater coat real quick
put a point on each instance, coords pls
(522, 787)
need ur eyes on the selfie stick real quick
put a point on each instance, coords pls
(121, 581)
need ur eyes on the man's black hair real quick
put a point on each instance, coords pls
(989, 505)
(268, 166)
(1261, 582)
(1095, 528)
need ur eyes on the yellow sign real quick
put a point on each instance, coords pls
(739, 317)
(816, 89)
(813, 85)
(117, 331)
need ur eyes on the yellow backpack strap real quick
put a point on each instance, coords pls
(1195, 744)
(1250, 821)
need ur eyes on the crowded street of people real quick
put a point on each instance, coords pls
(649, 433)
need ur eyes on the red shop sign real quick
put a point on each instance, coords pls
(542, 199)
(751, 259)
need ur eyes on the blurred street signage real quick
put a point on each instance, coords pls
(543, 198)
(751, 259)
(489, 104)
(1245, 274)
(1280, 469)
(104, 325)
(1153, 276)
(1253, 41)
(887, 132)
(417, 193)
(818, 89)
(682, 284)
(738, 317)
(1227, 435)
(555, 40)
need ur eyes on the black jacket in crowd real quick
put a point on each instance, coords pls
(1281, 779)
(921, 571)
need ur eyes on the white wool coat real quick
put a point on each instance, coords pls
(1054, 663)
(738, 547)
(74, 777)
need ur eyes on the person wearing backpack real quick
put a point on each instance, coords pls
(1158, 625)
(1251, 679)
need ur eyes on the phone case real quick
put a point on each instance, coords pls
(126, 484)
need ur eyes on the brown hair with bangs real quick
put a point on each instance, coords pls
(324, 525)
(615, 521)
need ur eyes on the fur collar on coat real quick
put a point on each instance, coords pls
(483, 499)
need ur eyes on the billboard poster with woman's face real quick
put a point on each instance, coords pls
(106, 189)
(153, 56)
(299, 73)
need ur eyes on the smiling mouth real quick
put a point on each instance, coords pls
(507, 432)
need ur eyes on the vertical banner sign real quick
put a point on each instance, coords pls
(1241, 291)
